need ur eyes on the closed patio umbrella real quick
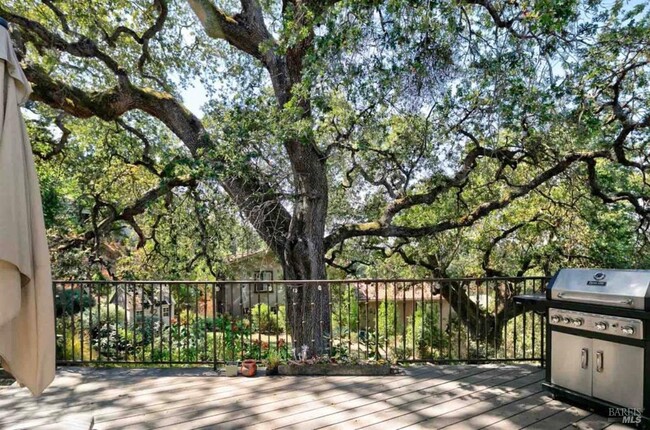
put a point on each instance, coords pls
(27, 348)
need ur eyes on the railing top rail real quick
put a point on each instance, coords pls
(317, 281)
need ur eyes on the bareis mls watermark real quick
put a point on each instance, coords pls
(625, 415)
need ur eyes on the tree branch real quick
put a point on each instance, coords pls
(495, 14)
(245, 31)
(485, 264)
(57, 147)
(637, 201)
(128, 213)
(110, 104)
(378, 228)
(507, 156)
(82, 48)
(254, 197)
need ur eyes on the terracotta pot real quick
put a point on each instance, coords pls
(248, 368)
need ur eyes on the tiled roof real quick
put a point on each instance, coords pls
(398, 291)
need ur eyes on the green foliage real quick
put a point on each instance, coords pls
(71, 339)
(187, 341)
(209, 324)
(267, 322)
(527, 84)
(273, 360)
(113, 342)
(234, 334)
(51, 199)
(109, 332)
(423, 331)
(389, 321)
(72, 301)
(97, 316)
(345, 309)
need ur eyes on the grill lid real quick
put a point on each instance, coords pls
(620, 288)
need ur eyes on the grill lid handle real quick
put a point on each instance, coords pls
(594, 299)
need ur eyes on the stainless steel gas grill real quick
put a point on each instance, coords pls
(598, 327)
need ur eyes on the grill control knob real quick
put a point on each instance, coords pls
(555, 319)
(602, 325)
(578, 322)
(566, 320)
(627, 329)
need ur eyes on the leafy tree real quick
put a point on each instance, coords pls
(72, 301)
(407, 129)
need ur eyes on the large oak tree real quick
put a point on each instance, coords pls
(380, 125)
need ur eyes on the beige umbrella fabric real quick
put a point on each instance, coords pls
(27, 348)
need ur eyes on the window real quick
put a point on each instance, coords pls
(165, 311)
(264, 275)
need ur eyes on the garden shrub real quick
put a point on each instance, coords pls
(233, 334)
(113, 342)
(388, 321)
(101, 315)
(423, 332)
(345, 310)
(69, 302)
(267, 322)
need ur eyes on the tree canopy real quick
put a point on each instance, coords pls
(377, 137)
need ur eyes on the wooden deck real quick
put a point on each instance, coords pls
(450, 397)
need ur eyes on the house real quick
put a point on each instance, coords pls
(238, 298)
(153, 301)
(406, 297)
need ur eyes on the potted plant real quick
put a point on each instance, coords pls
(273, 361)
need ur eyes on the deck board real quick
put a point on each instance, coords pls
(489, 412)
(560, 420)
(403, 397)
(447, 413)
(516, 415)
(450, 397)
(591, 422)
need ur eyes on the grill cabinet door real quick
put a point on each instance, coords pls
(571, 362)
(618, 373)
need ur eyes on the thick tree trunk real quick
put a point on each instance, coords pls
(298, 241)
(304, 255)
(308, 304)
(481, 324)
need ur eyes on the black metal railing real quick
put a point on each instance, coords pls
(199, 323)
